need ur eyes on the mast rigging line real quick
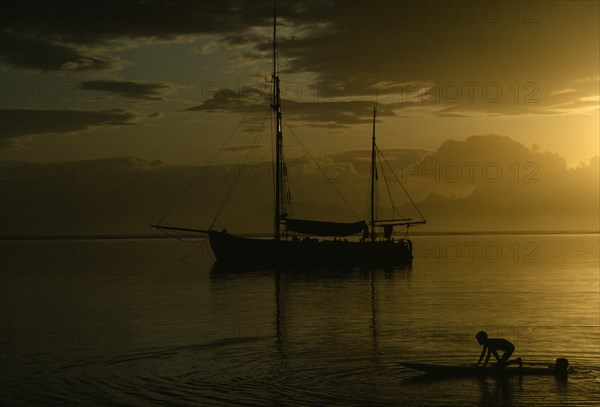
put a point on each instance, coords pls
(238, 175)
(401, 184)
(166, 232)
(194, 250)
(387, 185)
(323, 172)
(212, 159)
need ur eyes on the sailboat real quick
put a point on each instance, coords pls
(291, 244)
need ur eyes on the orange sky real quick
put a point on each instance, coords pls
(170, 82)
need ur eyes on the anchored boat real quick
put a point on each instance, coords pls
(291, 244)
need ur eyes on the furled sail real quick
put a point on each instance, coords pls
(319, 228)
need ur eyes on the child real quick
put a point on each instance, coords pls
(492, 346)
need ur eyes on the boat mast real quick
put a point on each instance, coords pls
(373, 172)
(276, 105)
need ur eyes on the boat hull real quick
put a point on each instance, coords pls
(476, 371)
(271, 253)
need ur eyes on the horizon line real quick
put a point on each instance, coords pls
(162, 236)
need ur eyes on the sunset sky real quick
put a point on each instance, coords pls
(109, 106)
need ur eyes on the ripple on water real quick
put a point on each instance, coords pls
(258, 371)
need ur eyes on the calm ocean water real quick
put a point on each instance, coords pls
(125, 322)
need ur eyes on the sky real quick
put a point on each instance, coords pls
(487, 111)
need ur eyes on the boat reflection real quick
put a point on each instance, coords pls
(288, 283)
(221, 270)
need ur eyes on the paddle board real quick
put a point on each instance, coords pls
(560, 369)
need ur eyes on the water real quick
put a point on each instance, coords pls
(118, 322)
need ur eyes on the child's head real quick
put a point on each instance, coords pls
(481, 337)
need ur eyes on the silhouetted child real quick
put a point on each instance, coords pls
(492, 346)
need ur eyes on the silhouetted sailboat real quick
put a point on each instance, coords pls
(376, 247)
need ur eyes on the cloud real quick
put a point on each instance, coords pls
(331, 113)
(487, 182)
(65, 35)
(97, 21)
(229, 100)
(31, 52)
(129, 89)
(58, 198)
(17, 123)
(420, 43)
(492, 182)
(399, 43)
(332, 108)
(533, 53)
(242, 147)
(337, 113)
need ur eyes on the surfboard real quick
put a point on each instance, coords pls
(478, 371)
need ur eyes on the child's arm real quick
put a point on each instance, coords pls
(487, 358)
(481, 356)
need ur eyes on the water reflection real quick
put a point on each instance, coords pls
(148, 331)
(498, 393)
(297, 280)
(343, 331)
(223, 270)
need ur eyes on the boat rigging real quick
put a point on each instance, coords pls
(286, 248)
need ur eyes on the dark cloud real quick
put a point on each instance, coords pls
(324, 114)
(415, 41)
(32, 52)
(353, 49)
(15, 123)
(50, 35)
(129, 89)
(336, 113)
(389, 47)
(413, 100)
(229, 100)
(98, 21)
(327, 108)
